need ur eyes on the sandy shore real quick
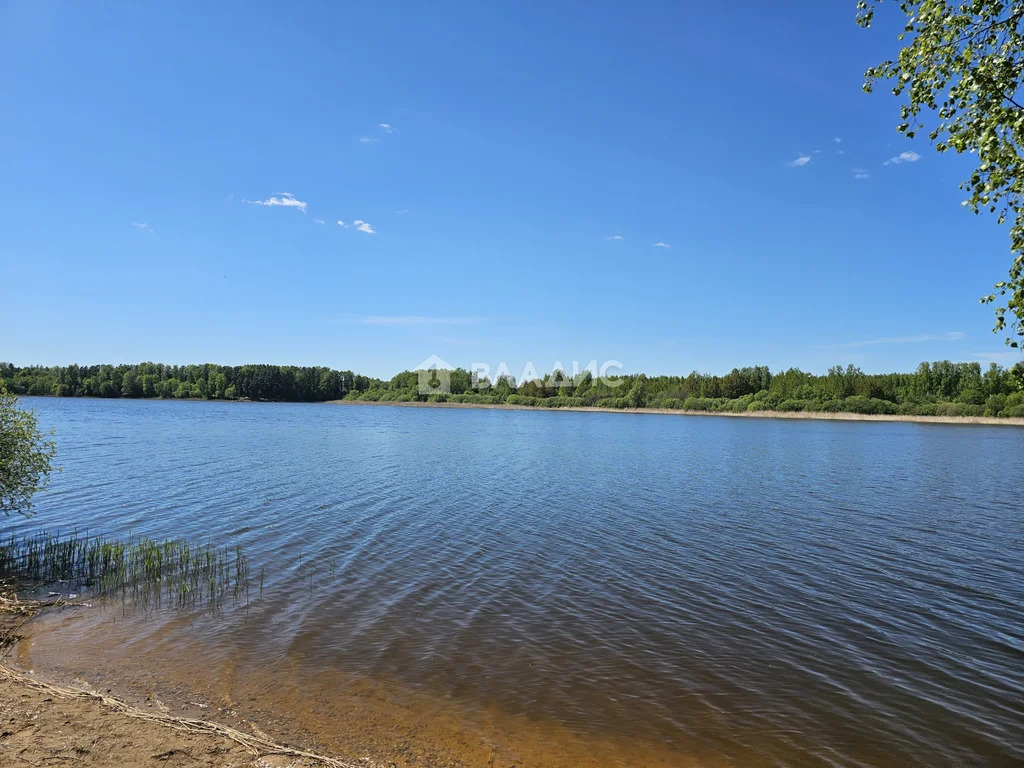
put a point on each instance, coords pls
(985, 420)
(37, 728)
(43, 724)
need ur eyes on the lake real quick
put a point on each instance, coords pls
(536, 588)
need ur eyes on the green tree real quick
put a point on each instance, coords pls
(637, 397)
(959, 73)
(25, 456)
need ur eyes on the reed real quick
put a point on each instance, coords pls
(179, 570)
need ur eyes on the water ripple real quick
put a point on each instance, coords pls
(812, 593)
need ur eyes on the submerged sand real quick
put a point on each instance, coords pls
(358, 722)
(800, 415)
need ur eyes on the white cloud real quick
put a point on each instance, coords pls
(360, 226)
(402, 211)
(143, 226)
(660, 244)
(1003, 358)
(368, 140)
(837, 140)
(614, 237)
(285, 199)
(921, 337)
(386, 127)
(860, 173)
(800, 161)
(401, 320)
(903, 157)
(318, 221)
(461, 341)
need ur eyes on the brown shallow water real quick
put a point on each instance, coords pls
(342, 713)
(494, 587)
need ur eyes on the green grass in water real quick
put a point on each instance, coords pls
(188, 573)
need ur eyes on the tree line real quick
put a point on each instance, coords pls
(940, 388)
(207, 381)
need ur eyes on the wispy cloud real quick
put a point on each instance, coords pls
(402, 211)
(461, 341)
(318, 221)
(143, 226)
(860, 173)
(368, 140)
(903, 157)
(614, 237)
(837, 140)
(359, 225)
(386, 127)
(284, 199)
(660, 244)
(1007, 357)
(405, 320)
(799, 162)
(921, 337)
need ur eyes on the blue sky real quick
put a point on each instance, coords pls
(676, 186)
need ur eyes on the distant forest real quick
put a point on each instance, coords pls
(934, 389)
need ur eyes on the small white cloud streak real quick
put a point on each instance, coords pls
(318, 221)
(462, 342)
(402, 211)
(386, 127)
(368, 140)
(660, 244)
(799, 162)
(837, 140)
(614, 237)
(405, 320)
(359, 225)
(903, 157)
(143, 226)
(283, 199)
(921, 337)
(860, 173)
(1003, 358)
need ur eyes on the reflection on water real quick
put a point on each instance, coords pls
(570, 589)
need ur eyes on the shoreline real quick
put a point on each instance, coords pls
(160, 706)
(108, 731)
(799, 415)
